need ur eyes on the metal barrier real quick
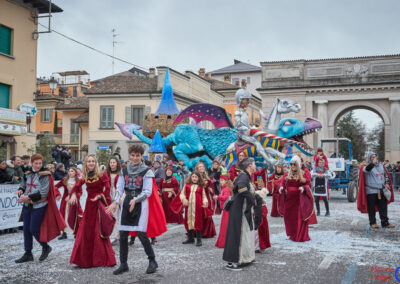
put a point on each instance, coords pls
(395, 179)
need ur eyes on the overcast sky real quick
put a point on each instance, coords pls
(188, 35)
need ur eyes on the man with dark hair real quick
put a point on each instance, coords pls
(14, 169)
(159, 172)
(117, 153)
(66, 157)
(136, 182)
(26, 163)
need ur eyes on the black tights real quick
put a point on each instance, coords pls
(123, 245)
(325, 201)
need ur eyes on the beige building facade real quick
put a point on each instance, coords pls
(127, 98)
(328, 88)
(18, 61)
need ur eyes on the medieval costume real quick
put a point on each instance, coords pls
(239, 243)
(69, 213)
(320, 176)
(260, 179)
(274, 182)
(195, 212)
(225, 193)
(233, 172)
(91, 247)
(307, 174)
(170, 186)
(262, 236)
(137, 183)
(208, 230)
(297, 206)
(114, 176)
(375, 192)
(40, 215)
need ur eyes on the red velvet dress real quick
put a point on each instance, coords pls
(263, 230)
(307, 175)
(225, 193)
(276, 181)
(196, 223)
(63, 205)
(296, 228)
(208, 223)
(233, 172)
(167, 186)
(90, 250)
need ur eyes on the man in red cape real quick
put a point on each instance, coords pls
(40, 215)
(372, 179)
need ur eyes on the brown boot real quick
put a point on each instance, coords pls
(389, 226)
(374, 226)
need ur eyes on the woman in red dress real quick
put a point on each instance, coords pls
(169, 188)
(208, 223)
(226, 191)
(294, 185)
(274, 182)
(90, 248)
(234, 170)
(68, 184)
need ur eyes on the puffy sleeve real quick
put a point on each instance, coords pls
(107, 188)
(175, 185)
(77, 189)
(224, 194)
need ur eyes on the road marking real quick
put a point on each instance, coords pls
(350, 275)
(326, 262)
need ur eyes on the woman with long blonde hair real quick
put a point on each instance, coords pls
(294, 187)
(208, 223)
(91, 247)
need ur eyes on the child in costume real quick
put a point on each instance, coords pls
(226, 191)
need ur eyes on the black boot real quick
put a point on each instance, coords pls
(153, 241)
(63, 236)
(45, 252)
(152, 266)
(198, 239)
(132, 241)
(326, 207)
(190, 238)
(121, 269)
(317, 205)
(25, 258)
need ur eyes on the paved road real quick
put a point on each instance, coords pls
(342, 250)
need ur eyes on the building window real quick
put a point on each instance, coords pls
(137, 115)
(5, 40)
(248, 80)
(106, 116)
(4, 96)
(45, 115)
(83, 89)
(74, 136)
(75, 91)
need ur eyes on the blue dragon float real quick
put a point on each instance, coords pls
(192, 143)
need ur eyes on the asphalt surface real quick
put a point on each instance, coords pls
(343, 249)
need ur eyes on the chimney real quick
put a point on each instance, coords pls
(152, 72)
(227, 78)
(244, 83)
(202, 72)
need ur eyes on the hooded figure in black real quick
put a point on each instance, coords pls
(239, 243)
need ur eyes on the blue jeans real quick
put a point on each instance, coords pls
(32, 220)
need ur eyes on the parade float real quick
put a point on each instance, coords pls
(191, 143)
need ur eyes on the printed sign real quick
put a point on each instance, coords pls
(336, 164)
(10, 210)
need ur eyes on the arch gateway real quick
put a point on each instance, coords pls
(328, 88)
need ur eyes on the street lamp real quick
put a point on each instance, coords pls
(52, 84)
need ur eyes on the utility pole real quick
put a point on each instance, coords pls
(114, 35)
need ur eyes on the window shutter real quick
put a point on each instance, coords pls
(147, 110)
(103, 117)
(128, 114)
(5, 40)
(111, 121)
(50, 115)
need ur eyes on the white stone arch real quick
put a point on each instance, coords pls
(360, 105)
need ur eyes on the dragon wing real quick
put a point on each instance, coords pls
(199, 112)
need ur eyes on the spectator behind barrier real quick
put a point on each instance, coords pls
(15, 170)
(5, 177)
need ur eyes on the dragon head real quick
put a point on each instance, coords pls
(296, 129)
(127, 129)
